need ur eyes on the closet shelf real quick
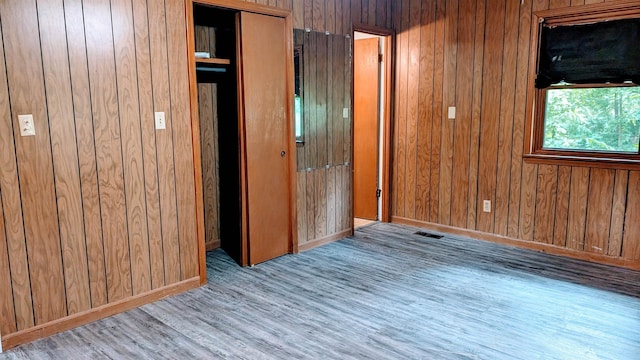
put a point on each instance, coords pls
(213, 61)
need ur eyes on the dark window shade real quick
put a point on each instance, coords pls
(605, 52)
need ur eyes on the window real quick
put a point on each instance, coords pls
(585, 106)
(298, 111)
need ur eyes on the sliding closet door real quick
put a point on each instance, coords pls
(265, 101)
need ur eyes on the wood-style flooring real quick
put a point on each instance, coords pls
(385, 293)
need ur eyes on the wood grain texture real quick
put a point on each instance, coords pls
(578, 202)
(130, 128)
(436, 132)
(302, 206)
(208, 104)
(182, 140)
(601, 186)
(562, 206)
(65, 154)
(463, 103)
(365, 128)
(521, 89)
(164, 142)
(490, 117)
(7, 309)
(617, 212)
(102, 73)
(630, 243)
(546, 193)
(149, 150)
(413, 74)
(320, 202)
(487, 77)
(12, 210)
(87, 161)
(264, 98)
(507, 107)
(34, 160)
(447, 141)
(464, 299)
(400, 122)
(476, 111)
(425, 113)
(324, 123)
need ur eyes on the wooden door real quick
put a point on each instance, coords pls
(265, 100)
(365, 123)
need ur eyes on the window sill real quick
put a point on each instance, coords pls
(584, 161)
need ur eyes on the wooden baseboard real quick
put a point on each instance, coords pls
(325, 240)
(85, 317)
(212, 245)
(546, 248)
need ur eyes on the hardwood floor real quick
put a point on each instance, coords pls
(386, 293)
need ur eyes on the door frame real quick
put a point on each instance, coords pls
(236, 5)
(387, 136)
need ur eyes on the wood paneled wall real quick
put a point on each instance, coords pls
(324, 170)
(474, 55)
(98, 207)
(205, 40)
(324, 159)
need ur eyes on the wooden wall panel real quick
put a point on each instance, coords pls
(95, 208)
(462, 125)
(476, 110)
(149, 150)
(323, 160)
(7, 310)
(86, 152)
(617, 213)
(12, 210)
(630, 241)
(164, 141)
(34, 158)
(475, 55)
(425, 113)
(130, 128)
(207, 100)
(182, 138)
(65, 154)
(104, 97)
(507, 106)
(600, 202)
(448, 99)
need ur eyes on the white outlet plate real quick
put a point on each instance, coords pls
(345, 113)
(160, 121)
(452, 112)
(27, 127)
(486, 206)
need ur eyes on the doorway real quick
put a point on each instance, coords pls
(371, 124)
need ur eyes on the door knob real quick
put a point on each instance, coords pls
(283, 153)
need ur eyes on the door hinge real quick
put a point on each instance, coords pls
(380, 58)
(378, 192)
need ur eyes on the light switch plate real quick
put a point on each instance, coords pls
(452, 112)
(27, 127)
(345, 113)
(486, 206)
(160, 121)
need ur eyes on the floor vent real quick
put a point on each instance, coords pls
(425, 234)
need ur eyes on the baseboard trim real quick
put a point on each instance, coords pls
(85, 317)
(546, 248)
(324, 240)
(212, 245)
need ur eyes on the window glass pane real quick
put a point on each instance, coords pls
(298, 117)
(593, 119)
